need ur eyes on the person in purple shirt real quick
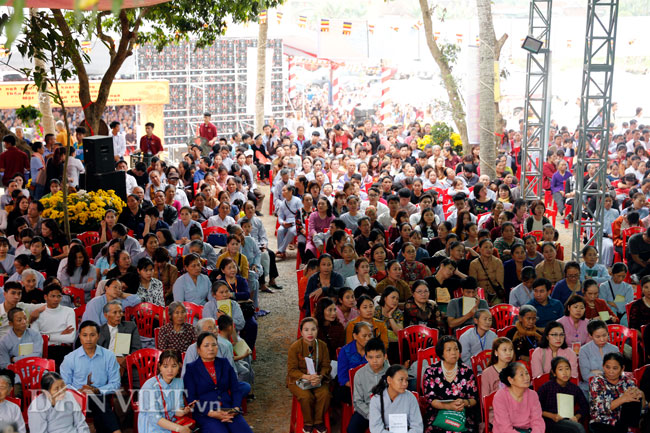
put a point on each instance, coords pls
(557, 185)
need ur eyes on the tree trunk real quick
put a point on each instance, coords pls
(44, 102)
(261, 75)
(455, 101)
(486, 92)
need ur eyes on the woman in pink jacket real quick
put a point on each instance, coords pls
(516, 407)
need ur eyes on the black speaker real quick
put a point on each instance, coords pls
(98, 154)
(115, 180)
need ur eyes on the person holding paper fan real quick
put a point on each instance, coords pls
(450, 389)
(553, 344)
(559, 397)
(21, 341)
(121, 338)
(308, 371)
(616, 401)
(516, 407)
(393, 408)
(592, 353)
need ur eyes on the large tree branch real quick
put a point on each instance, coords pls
(108, 41)
(499, 45)
(75, 57)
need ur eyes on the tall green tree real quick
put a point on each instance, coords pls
(120, 30)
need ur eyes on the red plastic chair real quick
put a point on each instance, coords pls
(461, 331)
(145, 362)
(78, 314)
(504, 315)
(458, 293)
(638, 373)
(538, 234)
(429, 355)
(503, 332)
(155, 336)
(487, 405)
(417, 337)
(619, 334)
(348, 409)
(481, 359)
(144, 315)
(627, 233)
(552, 214)
(89, 238)
(78, 295)
(209, 230)
(296, 422)
(193, 312)
(81, 399)
(542, 379)
(46, 341)
(30, 371)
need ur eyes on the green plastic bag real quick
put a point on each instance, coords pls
(450, 420)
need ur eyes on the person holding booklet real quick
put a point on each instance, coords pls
(461, 311)
(394, 409)
(308, 374)
(121, 338)
(560, 397)
(21, 341)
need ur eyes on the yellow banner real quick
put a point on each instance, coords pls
(128, 92)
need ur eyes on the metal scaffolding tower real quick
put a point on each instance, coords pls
(537, 106)
(595, 108)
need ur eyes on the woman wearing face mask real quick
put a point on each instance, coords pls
(311, 390)
(390, 396)
(592, 354)
(55, 409)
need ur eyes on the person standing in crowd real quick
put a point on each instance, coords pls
(13, 160)
(149, 143)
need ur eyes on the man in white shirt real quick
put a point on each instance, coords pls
(373, 200)
(119, 141)
(131, 183)
(13, 291)
(155, 184)
(75, 167)
(58, 323)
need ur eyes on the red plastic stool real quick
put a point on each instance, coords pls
(296, 422)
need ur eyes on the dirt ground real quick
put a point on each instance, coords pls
(270, 412)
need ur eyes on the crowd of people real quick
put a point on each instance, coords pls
(386, 235)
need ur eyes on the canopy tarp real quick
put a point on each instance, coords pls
(102, 5)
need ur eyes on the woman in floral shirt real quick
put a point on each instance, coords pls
(615, 399)
(151, 289)
(450, 379)
(419, 310)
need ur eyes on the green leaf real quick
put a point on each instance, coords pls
(15, 22)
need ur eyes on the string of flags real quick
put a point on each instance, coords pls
(347, 28)
(263, 16)
(302, 21)
(324, 25)
(86, 47)
(278, 16)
